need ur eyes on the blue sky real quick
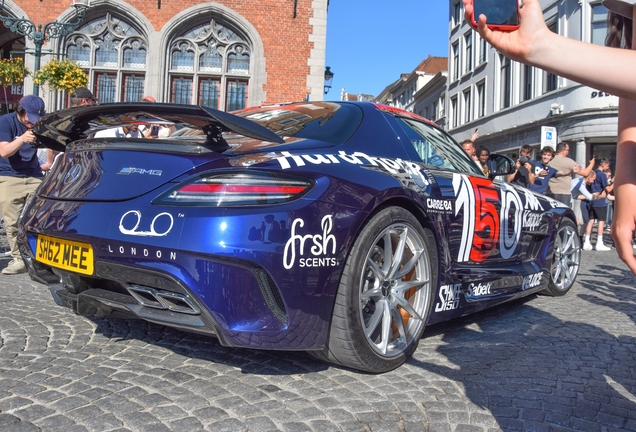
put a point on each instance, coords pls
(371, 42)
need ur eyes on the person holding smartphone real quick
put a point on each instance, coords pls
(608, 69)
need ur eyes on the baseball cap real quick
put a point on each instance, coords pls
(34, 107)
(82, 93)
(621, 7)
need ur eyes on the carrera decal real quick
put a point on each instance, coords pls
(160, 225)
(448, 297)
(439, 205)
(491, 218)
(392, 166)
(531, 281)
(318, 245)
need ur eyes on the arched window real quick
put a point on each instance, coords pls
(210, 66)
(113, 53)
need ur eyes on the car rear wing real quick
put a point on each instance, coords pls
(58, 129)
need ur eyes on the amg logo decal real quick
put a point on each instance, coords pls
(131, 170)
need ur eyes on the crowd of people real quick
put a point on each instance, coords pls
(23, 165)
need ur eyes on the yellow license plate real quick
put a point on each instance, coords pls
(65, 254)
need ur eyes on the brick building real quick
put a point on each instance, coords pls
(227, 54)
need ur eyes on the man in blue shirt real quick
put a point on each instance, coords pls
(20, 172)
(542, 172)
(596, 209)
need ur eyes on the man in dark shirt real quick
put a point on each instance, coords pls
(542, 172)
(20, 172)
(597, 209)
(524, 174)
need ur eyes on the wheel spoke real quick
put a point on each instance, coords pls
(386, 327)
(377, 271)
(375, 319)
(408, 266)
(404, 303)
(557, 272)
(405, 286)
(399, 322)
(371, 294)
(388, 252)
(398, 254)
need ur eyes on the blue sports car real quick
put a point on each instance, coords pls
(337, 228)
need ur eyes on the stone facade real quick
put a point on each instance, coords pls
(286, 43)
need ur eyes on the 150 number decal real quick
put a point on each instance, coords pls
(485, 228)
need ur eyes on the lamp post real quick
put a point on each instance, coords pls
(54, 29)
(328, 79)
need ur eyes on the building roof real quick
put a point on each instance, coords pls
(432, 65)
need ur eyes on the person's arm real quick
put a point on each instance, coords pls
(624, 220)
(588, 169)
(50, 158)
(585, 193)
(561, 173)
(534, 44)
(9, 148)
(531, 175)
(511, 177)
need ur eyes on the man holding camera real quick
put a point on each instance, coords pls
(20, 172)
(524, 174)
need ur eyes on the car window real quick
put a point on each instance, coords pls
(324, 121)
(435, 148)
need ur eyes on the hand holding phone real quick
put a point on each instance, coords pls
(500, 15)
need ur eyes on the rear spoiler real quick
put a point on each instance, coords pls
(58, 129)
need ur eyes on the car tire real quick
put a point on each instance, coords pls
(566, 259)
(385, 296)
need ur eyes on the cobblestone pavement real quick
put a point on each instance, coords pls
(538, 364)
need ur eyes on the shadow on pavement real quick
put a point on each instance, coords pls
(252, 361)
(534, 371)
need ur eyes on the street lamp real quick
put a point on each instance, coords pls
(328, 79)
(54, 29)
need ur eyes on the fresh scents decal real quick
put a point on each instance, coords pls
(315, 245)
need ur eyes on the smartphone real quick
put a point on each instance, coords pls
(154, 131)
(501, 15)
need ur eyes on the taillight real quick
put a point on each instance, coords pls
(237, 189)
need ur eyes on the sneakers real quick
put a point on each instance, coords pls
(601, 247)
(14, 267)
(587, 246)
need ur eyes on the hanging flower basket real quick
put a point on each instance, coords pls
(61, 75)
(12, 72)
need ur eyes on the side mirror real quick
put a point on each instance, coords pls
(500, 165)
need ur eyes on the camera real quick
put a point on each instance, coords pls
(523, 159)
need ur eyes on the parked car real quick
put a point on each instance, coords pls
(337, 228)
